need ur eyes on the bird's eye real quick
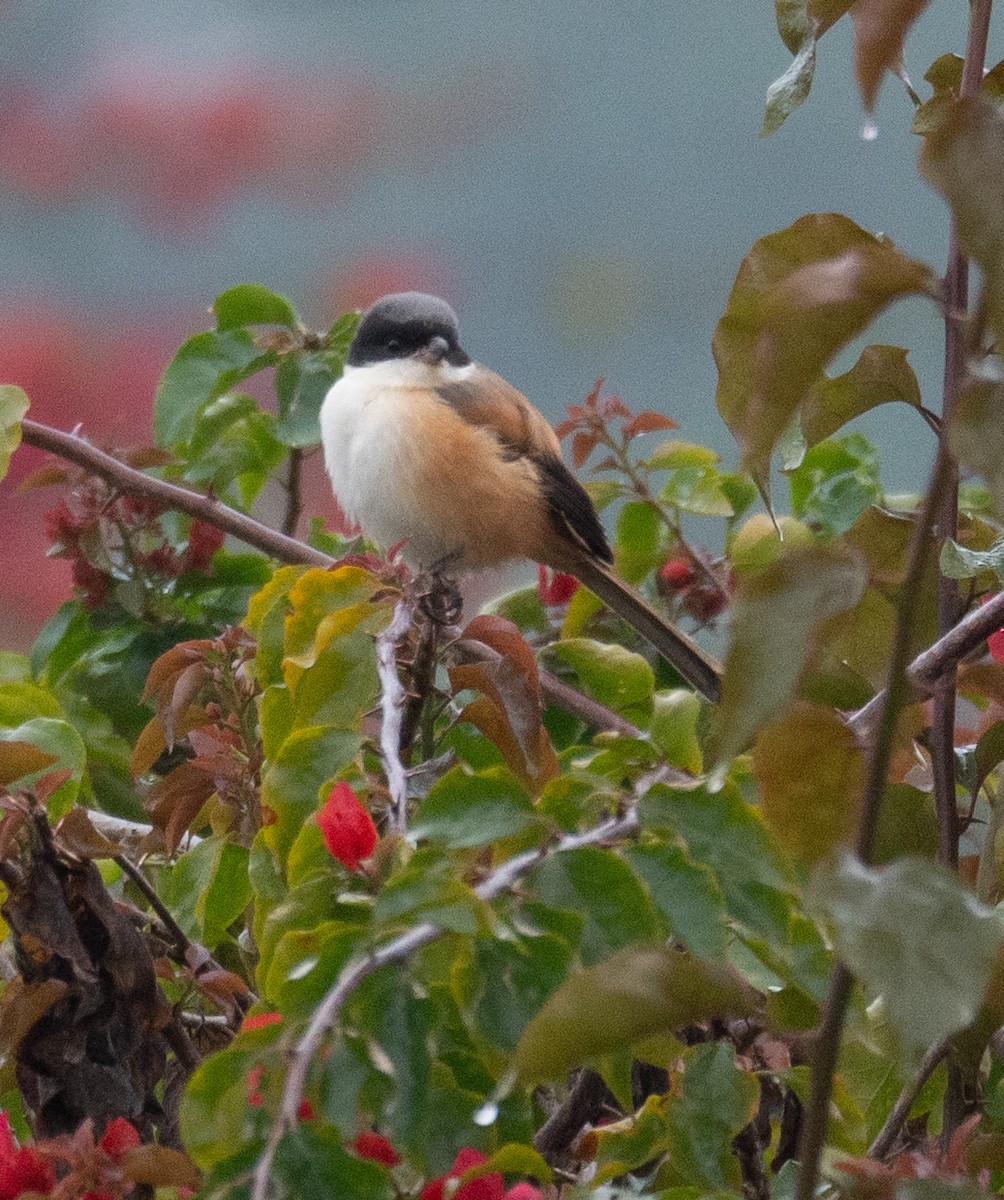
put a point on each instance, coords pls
(393, 345)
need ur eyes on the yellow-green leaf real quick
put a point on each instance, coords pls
(963, 159)
(13, 406)
(637, 992)
(800, 295)
(774, 614)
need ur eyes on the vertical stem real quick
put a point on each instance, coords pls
(294, 499)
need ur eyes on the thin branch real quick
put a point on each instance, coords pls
(392, 701)
(76, 449)
(886, 1136)
(178, 936)
(398, 950)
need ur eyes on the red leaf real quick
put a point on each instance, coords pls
(347, 828)
(594, 395)
(583, 444)
(648, 422)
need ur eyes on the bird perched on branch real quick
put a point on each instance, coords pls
(427, 447)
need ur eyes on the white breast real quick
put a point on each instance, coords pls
(370, 420)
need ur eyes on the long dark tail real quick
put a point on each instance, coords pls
(698, 668)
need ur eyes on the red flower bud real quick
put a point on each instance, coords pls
(347, 828)
(677, 574)
(119, 1136)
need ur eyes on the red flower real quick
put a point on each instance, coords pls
(260, 1021)
(347, 828)
(523, 1191)
(555, 587)
(375, 1147)
(995, 644)
(203, 542)
(485, 1187)
(306, 1111)
(22, 1168)
(119, 1136)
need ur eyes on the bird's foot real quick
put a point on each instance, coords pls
(441, 602)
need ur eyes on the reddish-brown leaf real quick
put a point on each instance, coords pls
(160, 1166)
(43, 477)
(78, 835)
(147, 456)
(880, 28)
(176, 800)
(648, 422)
(583, 444)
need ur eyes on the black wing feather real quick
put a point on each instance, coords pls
(570, 508)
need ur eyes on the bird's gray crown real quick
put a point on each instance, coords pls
(398, 325)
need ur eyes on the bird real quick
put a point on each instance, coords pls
(427, 449)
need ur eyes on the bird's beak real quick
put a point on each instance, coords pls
(434, 352)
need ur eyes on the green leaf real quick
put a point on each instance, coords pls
(636, 993)
(207, 889)
(963, 159)
(809, 769)
(773, 617)
(428, 888)
(61, 741)
(463, 810)
(836, 482)
(880, 376)
(697, 490)
(13, 406)
(302, 382)
(918, 937)
(291, 782)
(637, 541)
(717, 1101)
(800, 295)
(306, 962)
(311, 1161)
(215, 1117)
(618, 678)
(599, 885)
(252, 304)
(791, 88)
(956, 562)
(686, 892)
(673, 454)
(205, 367)
(673, 728)
(797, 19)
(505, 982)
(728, 836)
